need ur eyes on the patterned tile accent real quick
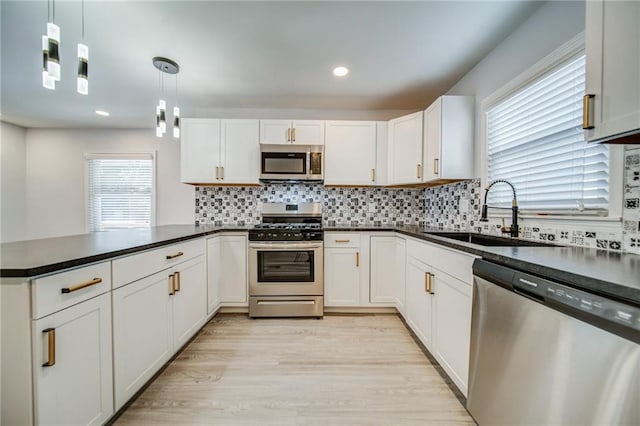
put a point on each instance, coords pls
(631, 206)
(455, 206)
(341, 206)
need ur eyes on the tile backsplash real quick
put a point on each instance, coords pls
(455, 206)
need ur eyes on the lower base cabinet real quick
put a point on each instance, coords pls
(419, 302)
(77, 388)
(230, 278)
(152, 319)
(342, 276)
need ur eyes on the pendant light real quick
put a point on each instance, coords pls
(47, 81)
(166, 66)
(82, 83)
(51, 50)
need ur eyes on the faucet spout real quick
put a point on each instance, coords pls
(513, 229)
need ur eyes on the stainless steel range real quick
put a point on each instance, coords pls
(285, 262)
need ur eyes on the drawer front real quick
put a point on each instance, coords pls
(455, 263)
(341, 239)
(56, 292)
(136, 266)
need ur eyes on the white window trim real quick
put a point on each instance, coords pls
(128, 155)
(572, 48)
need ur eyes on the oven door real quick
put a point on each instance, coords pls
(285, 268)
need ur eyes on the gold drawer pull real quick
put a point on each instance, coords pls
(342, 241)
(431, 277)
(172, 285)
(81, 286)
(177, 288)
(357, 259)
(418, 174)
(426, 282)
(289, 134)
(373, 175)
(173, 256)
(587, 112)
(51, 357)
(435, 166)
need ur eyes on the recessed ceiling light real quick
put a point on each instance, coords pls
(102, 113)
(340, 71)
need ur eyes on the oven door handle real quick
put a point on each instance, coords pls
(285, 246)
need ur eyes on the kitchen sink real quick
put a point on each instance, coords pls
(488, 240)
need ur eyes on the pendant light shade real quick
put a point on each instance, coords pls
(176, 122)
(47, 81)
(53, 51)
(166, 66)
(83, 69)
(163, 116)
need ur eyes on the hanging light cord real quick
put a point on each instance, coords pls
(82, 20)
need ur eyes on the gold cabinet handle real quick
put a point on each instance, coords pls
(342, 241)
(436, 162)
(173, 256)
(217, 172)
(426, 283)
(222, 172)
(177, 281)
(51, 337)
(293, 134)
(431, 277)
(289, 134)
(357, 259)
(80, 286)
(587, 112)
(418, 171)
(373, 175)
(172, 285)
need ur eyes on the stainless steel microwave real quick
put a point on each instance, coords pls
(291, 162)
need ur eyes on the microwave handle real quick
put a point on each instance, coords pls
(308, 163)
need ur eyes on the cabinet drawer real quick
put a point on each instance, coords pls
(56, 292)
(136, 266)
(457, 264)
(341, 239)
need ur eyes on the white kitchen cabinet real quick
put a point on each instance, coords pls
(405, 149)
(384, 278)
(199, 150)
(401, 274)
(189, 300)
(382, 153)
(233, 275)
(612, 42)
(214, 274)
(342, 271)
(78, 387)
(452, 327)
(350, 153)
(419, 302)
(448, 139)
(301, 132)
(220, 151)
(142, 333)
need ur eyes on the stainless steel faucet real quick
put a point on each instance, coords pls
(513, 229)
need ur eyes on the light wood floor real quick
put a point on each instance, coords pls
(342, 370)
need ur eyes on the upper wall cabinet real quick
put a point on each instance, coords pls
(612, 102)
(219, 151)
(448, 139)
(405, 149)
(302, 132)
(350, 153)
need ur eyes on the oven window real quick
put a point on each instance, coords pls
(285, 266)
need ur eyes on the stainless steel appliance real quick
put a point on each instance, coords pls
(286, 262)
(544, 353)
(291, 162)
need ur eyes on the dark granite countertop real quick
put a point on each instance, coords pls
(37, 257)
(610, 274)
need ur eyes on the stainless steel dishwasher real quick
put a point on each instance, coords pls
(543, 353)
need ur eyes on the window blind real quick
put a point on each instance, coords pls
(120, 191)
(535, 140)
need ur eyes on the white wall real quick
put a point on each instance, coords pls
(12, 182)
(547, 29)
(55, 178)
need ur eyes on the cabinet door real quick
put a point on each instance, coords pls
(452, 326)
(233, 262)
(199, 150)
(612, 41)
(383, 276)
(189, 300)
(405, 139)
(432, 139)
(275, 131)
(308, 132)
(240, 151)
(342, 276)
(213, 274)
(350, 153)
(400, 283)
(78, 388)
(419, 301)
(142, 339)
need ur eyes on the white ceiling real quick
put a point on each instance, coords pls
(236, 55)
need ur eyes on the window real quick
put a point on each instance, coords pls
(120, 191)
(535, 140)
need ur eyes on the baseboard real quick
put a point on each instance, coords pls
(359, 310)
